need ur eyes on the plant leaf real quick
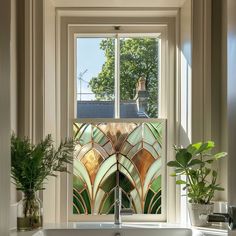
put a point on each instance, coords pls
(195, 162)
(214, 173)
(220, 155)
(206, 146)
(180, 181)
(183, 157)
(193, 148)
(173, 164)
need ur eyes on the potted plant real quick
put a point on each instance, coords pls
(30, 167)
(199, 178)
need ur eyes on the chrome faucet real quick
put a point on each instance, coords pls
(118, 211)
(229, 217)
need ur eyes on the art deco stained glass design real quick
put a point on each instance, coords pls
(131, 150)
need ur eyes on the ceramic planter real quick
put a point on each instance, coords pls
(198, 213)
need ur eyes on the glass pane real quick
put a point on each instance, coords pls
(95, 77)
(139, 77)
(139, 170)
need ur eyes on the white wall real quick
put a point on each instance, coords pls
(5, 14)
(185, 87)
(185, 72)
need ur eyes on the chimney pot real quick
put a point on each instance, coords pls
(141, 85)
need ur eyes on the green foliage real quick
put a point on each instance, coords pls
(139, 57)
(32, 164)
(194, 162)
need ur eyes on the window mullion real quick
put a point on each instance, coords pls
(117, 77)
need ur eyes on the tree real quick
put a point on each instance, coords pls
(138, 57)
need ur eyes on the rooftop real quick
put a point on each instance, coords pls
(105, 109)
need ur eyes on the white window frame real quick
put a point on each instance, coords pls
(73, 32)
(66, 27)
(117, 37)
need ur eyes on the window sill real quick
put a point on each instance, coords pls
(214, 230)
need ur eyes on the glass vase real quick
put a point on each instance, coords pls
(29, 212)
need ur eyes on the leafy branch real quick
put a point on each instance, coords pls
(32, 164)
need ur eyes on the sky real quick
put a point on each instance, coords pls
(90, 58)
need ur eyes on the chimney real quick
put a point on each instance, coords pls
(141, 95)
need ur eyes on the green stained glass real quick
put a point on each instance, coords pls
(153, 170)
(156, 184)
(111, 210)
(135, 136)
(125, 172)
(85, 196)
(99, 137)
(98, 200)
(109, 183)
(105, 167)
(78, 202)
(77, 183)
(108, 148)
(150, 149)
(125, 183)
(158, 148)
(84, 135)
(126, 162)
(126, 201)
(155, 198)
(81, 172)
(156, 205)
(132, 149)
(108, 202)
(148, 136)
(156, 129)
(125, 148)
(148, 200)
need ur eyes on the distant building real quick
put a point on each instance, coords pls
(105, 109)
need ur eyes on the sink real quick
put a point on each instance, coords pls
(125, 229)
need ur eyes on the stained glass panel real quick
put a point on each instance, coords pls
(133, 151)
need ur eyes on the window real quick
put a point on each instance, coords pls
(118, 76)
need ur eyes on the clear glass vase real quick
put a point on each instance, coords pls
(29, 212)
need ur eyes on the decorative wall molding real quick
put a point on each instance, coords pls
(201, 70)
(5, 117)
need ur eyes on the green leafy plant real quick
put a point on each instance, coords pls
(195, 162)
(32, 164)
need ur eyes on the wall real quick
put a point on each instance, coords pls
(219, 93)
(14, 103)
(231, 98)
(203, 114)
(26, 77)
(201, 71)
(185, 87)
(185, 72)
(5, 14)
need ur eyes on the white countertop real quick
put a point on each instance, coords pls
(87, 225)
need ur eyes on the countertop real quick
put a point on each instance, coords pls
(208, 231)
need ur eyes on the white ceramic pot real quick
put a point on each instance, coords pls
(198, 213)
